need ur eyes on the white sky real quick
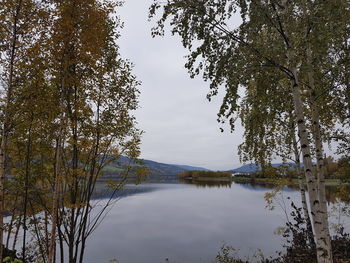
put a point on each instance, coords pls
(179, 122)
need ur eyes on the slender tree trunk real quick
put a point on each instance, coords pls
(302, 191)
(12, 222)
(7, 118)
(15, 238)
(26, 186)
(52, 245)
(75, 197)
(304, 203)
(41, 240)
(46, 240)
(61, 241)
(90, 187)
(316, 133)
(2, 179)
(317, 218)
(9, 231)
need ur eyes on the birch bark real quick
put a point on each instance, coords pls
(302, 189)
(322, 246)
(316, 133)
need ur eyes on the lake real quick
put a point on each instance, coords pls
(187, 223)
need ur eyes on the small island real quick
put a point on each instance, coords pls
(205, 176)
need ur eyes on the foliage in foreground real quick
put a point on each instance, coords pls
(9, 260)
(66, 103)
(299, 246)
(295, 253)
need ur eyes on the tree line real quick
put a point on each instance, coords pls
(204, 174)
(334, 169)
(66, 102)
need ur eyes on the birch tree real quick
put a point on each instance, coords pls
(9, 33)
(274, 36)
(18, 30)
(98, 91)
(68, 113)
(270, 130)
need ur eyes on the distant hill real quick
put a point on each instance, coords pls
(156, 169)
(253, 168)
(247, 168)
(192, 168)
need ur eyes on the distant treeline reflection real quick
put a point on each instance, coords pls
(334, 193)
(204, 174)
(207, 183)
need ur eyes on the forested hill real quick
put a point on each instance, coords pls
(247, 168)
(155, 168)
(252, 167)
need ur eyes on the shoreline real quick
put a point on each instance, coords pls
(328, 182)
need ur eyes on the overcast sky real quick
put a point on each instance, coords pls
(179, 122)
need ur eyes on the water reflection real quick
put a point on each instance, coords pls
(104, 190)
(334, 193)
(189, 222)
(338, 193)
(207, 183)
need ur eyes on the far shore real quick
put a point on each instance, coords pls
(328, 182)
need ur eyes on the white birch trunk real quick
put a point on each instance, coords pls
(317, 217)
(302, 188)
(316, 133)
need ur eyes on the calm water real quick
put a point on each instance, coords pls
(187, 223)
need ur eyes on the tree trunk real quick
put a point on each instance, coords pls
(15, 238)
(52, 245)
(90, 187)
(316, 133)
(26, 186)
(2, 180)
(317, 217)
(302, 190)
(7, 118)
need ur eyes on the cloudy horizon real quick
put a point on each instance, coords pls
(179, 122)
